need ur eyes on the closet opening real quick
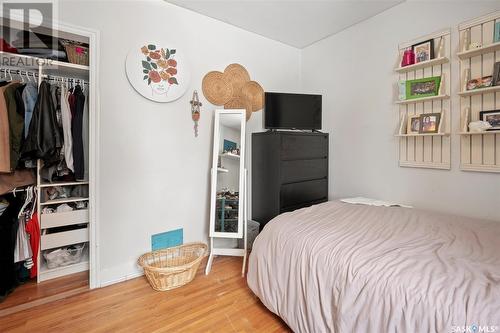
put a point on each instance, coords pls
(47, 188)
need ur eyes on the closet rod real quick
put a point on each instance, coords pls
(45, 76)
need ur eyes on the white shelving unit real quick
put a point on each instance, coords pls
(423, 99)
(77, 223)
(480, 91)
(63, 200)
(479, 151)
(423, 64)
(229, 155)
(488, 48)
(427, 150)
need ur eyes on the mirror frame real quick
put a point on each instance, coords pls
(214, 174)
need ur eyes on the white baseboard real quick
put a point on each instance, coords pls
(120, 273)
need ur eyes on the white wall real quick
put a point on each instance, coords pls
(154, 174)
(354, 72)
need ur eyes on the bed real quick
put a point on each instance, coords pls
(341, 267)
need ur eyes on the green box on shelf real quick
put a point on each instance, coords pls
(425, 87)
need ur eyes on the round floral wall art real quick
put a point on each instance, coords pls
(157, 72)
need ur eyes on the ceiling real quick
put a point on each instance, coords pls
(297, 23)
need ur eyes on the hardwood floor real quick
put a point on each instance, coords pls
(33, 294)
(219, 302)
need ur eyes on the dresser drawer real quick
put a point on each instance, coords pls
(301, 170)
(65, 218)
(295, 147)
(58, 239)
(298, 193)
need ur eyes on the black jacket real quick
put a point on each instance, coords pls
(44, 136)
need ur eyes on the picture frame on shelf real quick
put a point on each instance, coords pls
(425, 87)
(423, 51)
(429, 123)
(496, 33)
(413, 126)
(492, 117)
(496, 74)
(229, 145)
(479, 83)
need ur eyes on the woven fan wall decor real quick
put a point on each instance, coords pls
(233, 89)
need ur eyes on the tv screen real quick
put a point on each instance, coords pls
(292, 111)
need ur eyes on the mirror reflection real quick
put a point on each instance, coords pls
(227, 208)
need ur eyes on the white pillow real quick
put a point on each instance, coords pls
(372, 202)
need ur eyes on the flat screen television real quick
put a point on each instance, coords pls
(292, 111)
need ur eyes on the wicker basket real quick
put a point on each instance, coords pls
(173, 267)
(77, 53)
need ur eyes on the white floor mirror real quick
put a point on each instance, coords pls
(228, 209)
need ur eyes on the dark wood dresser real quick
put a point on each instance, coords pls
(289, 171)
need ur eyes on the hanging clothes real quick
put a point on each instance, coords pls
(85, 136)
(33, 230)
(66, 123)
(77, 132)
(44, 138)
(16, 123)
(22, 249)
(8, 232)
(4, 134)
(29, 96)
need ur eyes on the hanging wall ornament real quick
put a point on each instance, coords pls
(233, 89)
(195, 111)
(158, 71)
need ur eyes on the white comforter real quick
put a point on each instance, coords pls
(339, 267)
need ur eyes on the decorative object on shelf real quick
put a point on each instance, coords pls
(429, 122)
(425, 87)
(473, 46)
(491, 117)
(496, 33)
(483, 82)
(440, 48)
(233, 89)
(195, 111)
(229, 146)
(423, 51)
(158, 73)
(216, 89)
(479, 126)
(413, 126)
(402, 90)
(496, 74)
(408, 58)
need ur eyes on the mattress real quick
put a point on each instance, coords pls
(340, 267)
